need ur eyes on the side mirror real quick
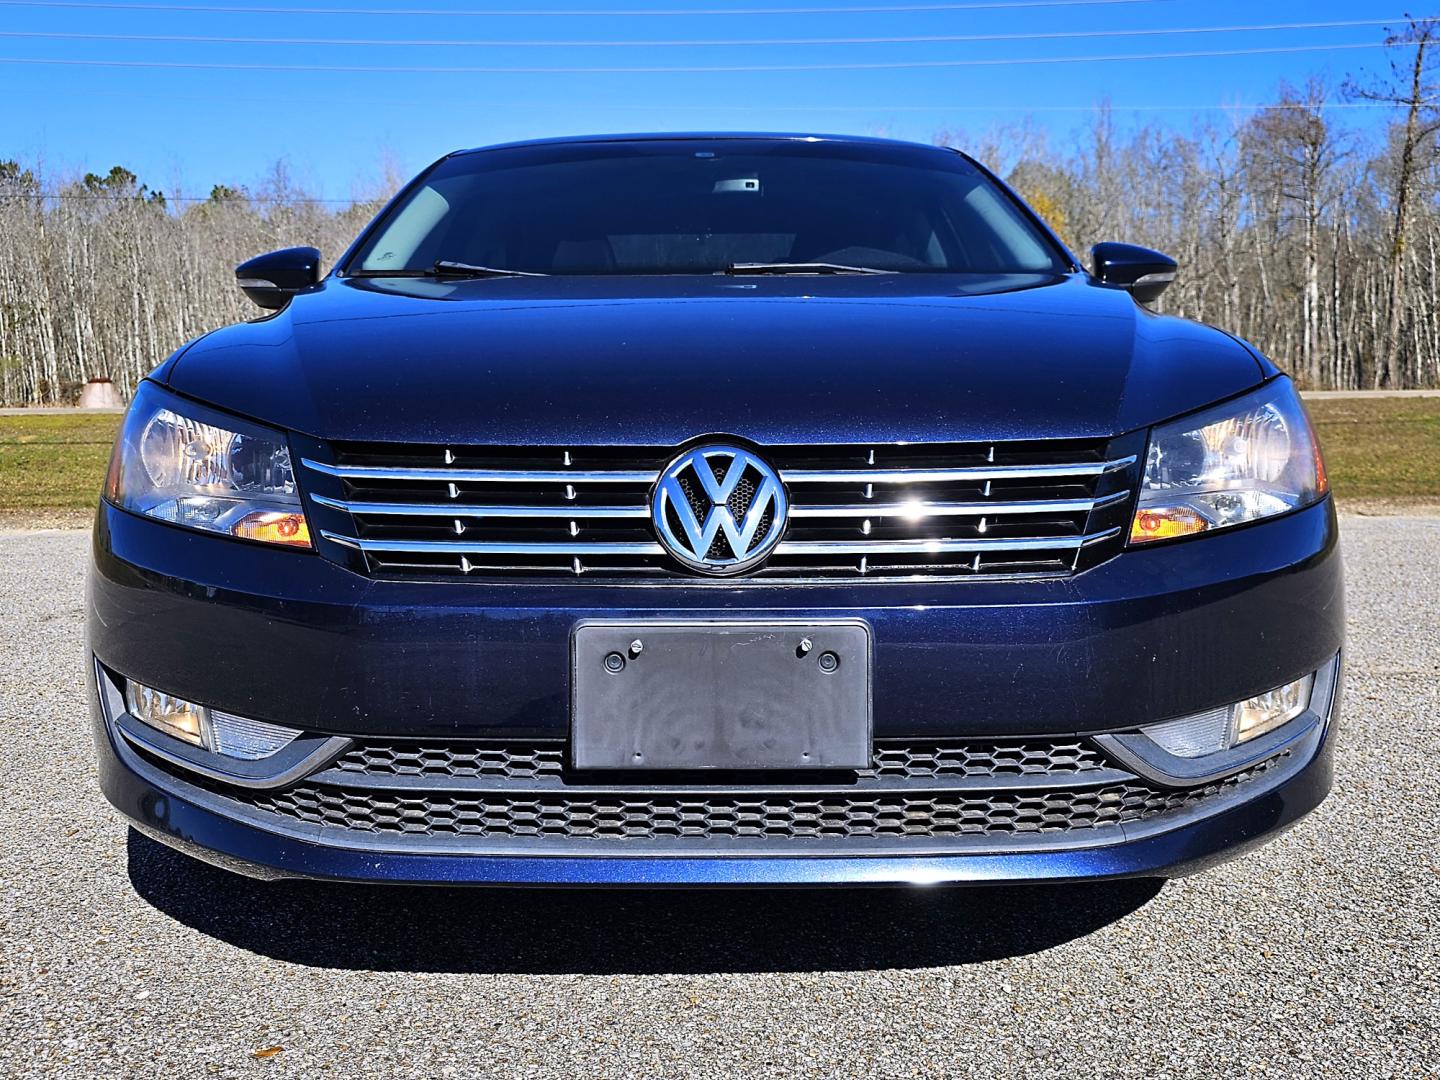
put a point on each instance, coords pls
(1144, 272)
(270, 280)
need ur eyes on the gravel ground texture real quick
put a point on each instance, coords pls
(1314, 957)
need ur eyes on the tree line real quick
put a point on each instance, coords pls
(1316, 239)
(104, 278)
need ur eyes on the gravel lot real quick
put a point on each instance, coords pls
(1316, 956)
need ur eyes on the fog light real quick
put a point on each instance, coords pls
(1219, 729)
(166, 712)
(222, 733)
(1257, 715)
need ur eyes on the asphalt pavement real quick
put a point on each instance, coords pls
(1313, 957)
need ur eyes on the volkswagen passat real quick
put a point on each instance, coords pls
(714, 510)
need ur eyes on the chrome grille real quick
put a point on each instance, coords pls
(857, 512)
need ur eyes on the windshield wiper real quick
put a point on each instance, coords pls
(801, 268)
(451, 268)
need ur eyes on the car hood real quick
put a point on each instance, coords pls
(657, 361)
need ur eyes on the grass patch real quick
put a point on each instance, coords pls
(1383, 450)
(54, 462)
(1380, 449)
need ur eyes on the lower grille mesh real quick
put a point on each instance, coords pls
(892, 758)
(733, 816)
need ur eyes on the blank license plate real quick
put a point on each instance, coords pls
(721, 695)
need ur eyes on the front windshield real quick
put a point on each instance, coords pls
(706, 206)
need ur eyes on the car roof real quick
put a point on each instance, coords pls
(717, 136)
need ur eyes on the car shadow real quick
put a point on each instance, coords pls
(622, 932)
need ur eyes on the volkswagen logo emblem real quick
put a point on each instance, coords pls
(719, 509)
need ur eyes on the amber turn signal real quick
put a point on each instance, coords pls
(1165, 523)
(274, 527)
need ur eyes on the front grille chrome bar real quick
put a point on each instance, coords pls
(452, 510)
(909, 510)
(649, 476)
(918, 511)
(486, 476)
(933, 547)
(497, 547)
(943, 476)
(786, 547)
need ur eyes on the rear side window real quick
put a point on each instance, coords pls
(698, 207)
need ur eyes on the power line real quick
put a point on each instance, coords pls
(374, 69)
(866, 107)
(881, 9)
(205, 39)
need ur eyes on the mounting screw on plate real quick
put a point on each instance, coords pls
(805, 646)
(637, 647)
(614, 663)
(829, 662)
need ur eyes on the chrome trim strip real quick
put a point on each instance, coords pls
(464, 510)
(1095, 538)
(922, 510)
(980, 472)
(647, 476)
(924, 547)
(482, 547)
(918, 510)
(786, 547)
(508, 476)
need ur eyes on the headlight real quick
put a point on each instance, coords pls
(190, 465)
(1242, 461)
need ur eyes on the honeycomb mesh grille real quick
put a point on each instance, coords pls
(527, 760)
(647, 816)
(519, 761)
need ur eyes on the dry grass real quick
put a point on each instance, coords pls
(1381, 450)
(54, 462)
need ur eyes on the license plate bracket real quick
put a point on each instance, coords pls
(710, 695)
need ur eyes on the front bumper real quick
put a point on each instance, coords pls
(290, 638)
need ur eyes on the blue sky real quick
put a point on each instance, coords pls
(189, 127)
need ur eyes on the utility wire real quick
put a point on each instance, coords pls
(878, 9)
(867, 108)
(374, 69)
(205, 39)
(1323, 106)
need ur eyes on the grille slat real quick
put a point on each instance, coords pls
(903, 511)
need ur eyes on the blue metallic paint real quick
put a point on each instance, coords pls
(882, 358)
(309, 643)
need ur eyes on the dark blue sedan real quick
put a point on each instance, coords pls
(714, 510)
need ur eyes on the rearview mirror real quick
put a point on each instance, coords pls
(270, 280)
(1145, 273)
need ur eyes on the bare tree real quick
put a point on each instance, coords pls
(1415, 90)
